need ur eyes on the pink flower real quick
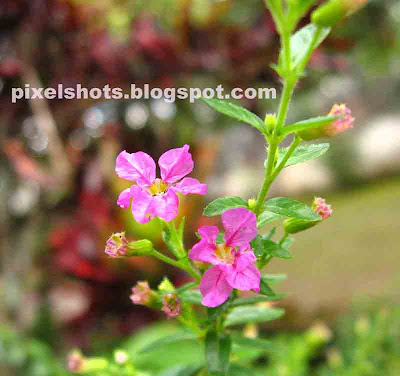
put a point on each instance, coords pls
(233, 259)
(142, 294)
(342, 124)
(117, 245)
(155, 197)
(75, 361)
(322, 208)
(171, 305)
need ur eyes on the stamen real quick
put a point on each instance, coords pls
(158, 187)
(225, 254)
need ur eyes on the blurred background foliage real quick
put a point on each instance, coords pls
(58, 186)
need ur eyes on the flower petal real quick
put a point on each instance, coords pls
(246, 279)
(142, 205)
(190, 185)
(166, 205)
(214, 287)
(139, 167)
(175, 164)
(204, 250)
(244, 260)
(124, 199)
(240, 227)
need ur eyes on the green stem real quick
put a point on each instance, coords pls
(267, 180)
(284, 237)
(286, 98)
(181, 253)
(296, 142)
(165, 259)
(191, 270)
(176, 239)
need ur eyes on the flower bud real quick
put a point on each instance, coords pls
(295, 225)
(252, 204)
(171, 305)
(117, 246)
(142, 294)
(141, 247)
(166, 285)
(270, 122)
(334, 11)
(121, 357)
(332, 129)
(75, 361)
(321, 207)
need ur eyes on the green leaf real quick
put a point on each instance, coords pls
(218, 206)
(264, 247)
(270, 233)
(265, 289)
(216, 312)
(181, 228)
(236, 112)
(245, 314)
(256, 299)
(274, 278)
(257, 246)
(168, 340)
(211, 347)
(275, 250)
(301, 41)
(313, 123)
(266, 217)
(287, 243)
(291, 208)
(303, 153)
(225, 347)
(182, 370)
(253, 342)
(191, 296)
(218, 350)
(185, 287)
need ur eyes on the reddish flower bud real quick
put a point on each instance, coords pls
(117, 245)
(75, 361)
(142, 294)
(171, 305)
(295, 225)
(322, 208)
(332, 129)
(342, 124)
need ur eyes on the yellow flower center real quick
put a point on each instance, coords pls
(225, 254)
(158, 187)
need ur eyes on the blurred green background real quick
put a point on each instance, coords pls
(58, 187)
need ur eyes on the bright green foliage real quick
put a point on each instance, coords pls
(236, 112)
(218, 206)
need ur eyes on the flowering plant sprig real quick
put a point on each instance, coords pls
(223, 265)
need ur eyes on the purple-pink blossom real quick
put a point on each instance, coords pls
(155, 197)
(117, 245)
(342, 124)
(171, 305)
(142, 294)
(322, 208)
(232, 260)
